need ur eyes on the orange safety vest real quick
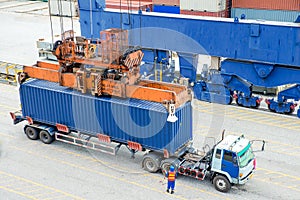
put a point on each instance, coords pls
(171, 176)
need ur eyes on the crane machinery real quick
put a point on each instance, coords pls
(248, 52)
(104, 67)
(96, 91)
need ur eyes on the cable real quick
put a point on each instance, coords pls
(59, 6)
(140, 23)
(91, 19)
(71, 11)
(121, 19)
(51, 24)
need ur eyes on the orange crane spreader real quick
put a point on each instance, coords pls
(105, 67)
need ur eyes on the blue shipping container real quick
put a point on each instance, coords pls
(166, 9)
(270, 15)
(122, 119)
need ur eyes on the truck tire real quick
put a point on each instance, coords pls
(45, 137)
(221, 183)
(165, 164)
(151, 162)
(31, 133)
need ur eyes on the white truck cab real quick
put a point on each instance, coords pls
(233, 162)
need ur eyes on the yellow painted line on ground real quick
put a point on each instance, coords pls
(287, 126)
(91, 159)
(293, 128)
(238, 114)
(252, 117)
(276, 183)
(259, 116)
(271, 123)
(269, 119)
(291, 122)
(190, 187)
(283, 144)
(205, 111)
(268, 171)
(197, 189)
(124, 180)
(127, 170)
(95, 171)
(43, 194)
(35, 184)
(296, 126)
(134, 183)
(19, 4)
(293, 186)
(16, 192)
(6, 182)
(289, 154)
(31, 191)
(54, 197)
(23, 187)
(6, 135)
(232, 110)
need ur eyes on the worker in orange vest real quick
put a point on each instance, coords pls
(171, 175)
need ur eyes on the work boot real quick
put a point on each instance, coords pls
(167, 190)
(172, 191)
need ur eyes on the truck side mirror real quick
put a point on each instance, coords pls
(262, 146)
(234, 159)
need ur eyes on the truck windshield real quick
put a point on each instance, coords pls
(245, 156)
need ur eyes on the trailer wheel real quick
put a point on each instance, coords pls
(31, 133)
(45, 137)
(221, 183)
(151, 162)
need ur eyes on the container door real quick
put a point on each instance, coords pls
(229, 164)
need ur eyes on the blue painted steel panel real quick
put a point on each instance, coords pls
(272, 15)
(265, 75)
(276, 43)
(188, 66)
(166, 9)
(122, 119)
(91, 5)
(149, 55)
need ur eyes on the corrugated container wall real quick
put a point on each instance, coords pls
(122, 119)
(267, 4)
(67, 8)
(223, 13)
(203, 5)
(166, 2)
(126, 5)
(270, 15)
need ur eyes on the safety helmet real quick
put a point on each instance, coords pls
(172, 168)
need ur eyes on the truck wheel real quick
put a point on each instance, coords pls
(151, 162)
(165, 164)
(45, 137)
(31, 133)
(221, 183)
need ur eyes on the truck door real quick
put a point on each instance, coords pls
(229, 164)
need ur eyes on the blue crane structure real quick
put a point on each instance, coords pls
(251, 52)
